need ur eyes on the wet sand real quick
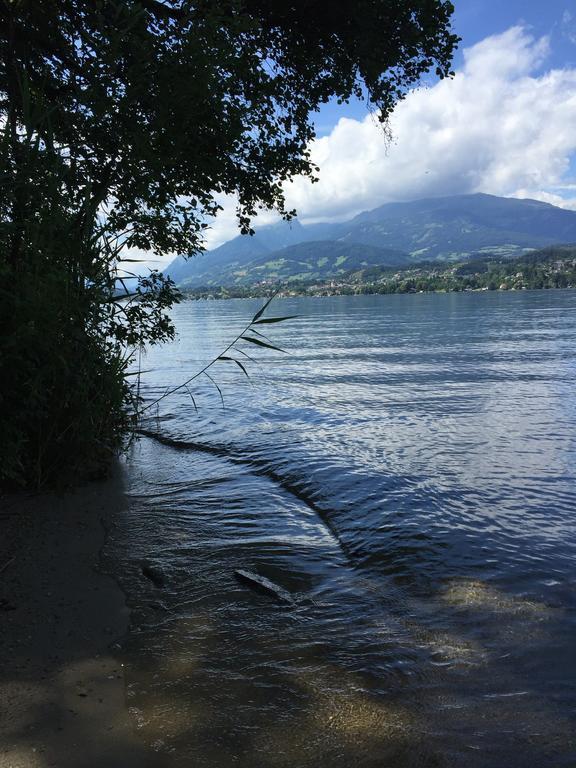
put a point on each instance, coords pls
(62, 693)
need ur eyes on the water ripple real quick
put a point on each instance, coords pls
(408, 473)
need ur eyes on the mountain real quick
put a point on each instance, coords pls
(437, 229)
(203, 269)
(316, 260)
(449, 228)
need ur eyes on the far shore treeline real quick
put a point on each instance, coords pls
(553, 267)
(121, 121)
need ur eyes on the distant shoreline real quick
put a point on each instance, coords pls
(550, 268)
(283, 294)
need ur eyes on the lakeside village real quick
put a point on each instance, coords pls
(553, 267)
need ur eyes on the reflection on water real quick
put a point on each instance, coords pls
(408, 474)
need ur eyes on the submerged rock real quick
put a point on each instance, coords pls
(153, 574)
(475, 594)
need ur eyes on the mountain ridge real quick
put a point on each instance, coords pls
(431, 229)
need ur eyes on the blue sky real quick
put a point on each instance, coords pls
(477, 19)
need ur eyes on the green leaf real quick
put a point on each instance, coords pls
(264, 308)
(274, 319)
(262, 343)
(191, 398)
(253, 330)
(241, 351)
(233, 360)
(217, 387)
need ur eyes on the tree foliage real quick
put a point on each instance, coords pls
(120, 121)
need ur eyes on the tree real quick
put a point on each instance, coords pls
(121, 120)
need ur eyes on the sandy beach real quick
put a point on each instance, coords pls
(62, 693)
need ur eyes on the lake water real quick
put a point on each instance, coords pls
(408, 473)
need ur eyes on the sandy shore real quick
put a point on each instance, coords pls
(62, 700)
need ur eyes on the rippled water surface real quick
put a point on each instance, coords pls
(408, 473)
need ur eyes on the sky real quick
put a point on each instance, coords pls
(504, 125)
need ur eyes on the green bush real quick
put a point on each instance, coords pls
(69, 327)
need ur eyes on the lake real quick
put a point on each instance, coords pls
(407, 471)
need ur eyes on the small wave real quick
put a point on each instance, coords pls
(259, 467)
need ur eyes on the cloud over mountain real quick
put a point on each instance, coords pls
(502, 125)
(505, 125)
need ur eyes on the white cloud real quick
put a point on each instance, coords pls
(135, 261)
(568, 26)
(501, 125)
(225, 226)
(549, 197)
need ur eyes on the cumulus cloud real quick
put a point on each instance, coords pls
(225, 226)
(504, 125)
(501, 125)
